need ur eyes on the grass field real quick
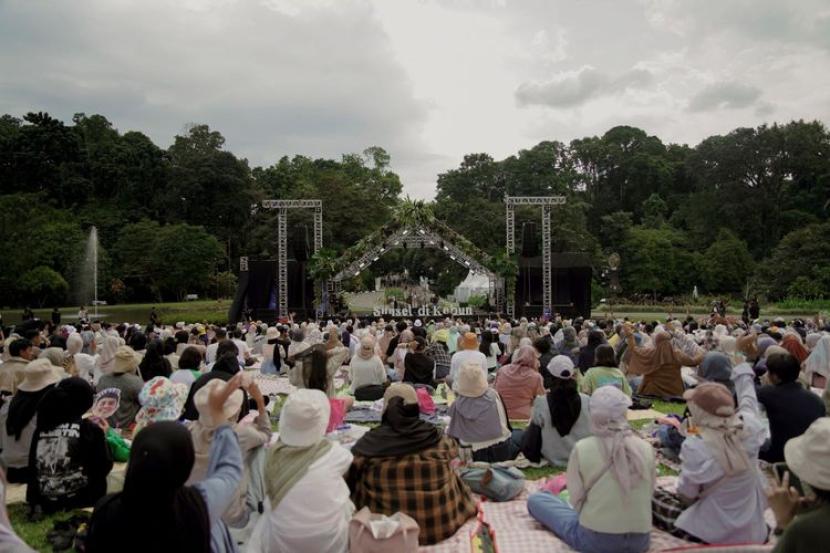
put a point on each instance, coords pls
(210, 311)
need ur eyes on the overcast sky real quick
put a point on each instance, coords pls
(428, 80)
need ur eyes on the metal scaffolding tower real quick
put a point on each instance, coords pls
(282, 207)
(510, 226)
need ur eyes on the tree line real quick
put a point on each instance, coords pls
(746, 210)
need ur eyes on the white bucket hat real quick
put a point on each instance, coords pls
(808, 455)
(472, 382)
(304, 418)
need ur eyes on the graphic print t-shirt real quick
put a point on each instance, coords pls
(59, 471)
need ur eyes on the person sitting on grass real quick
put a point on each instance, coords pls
(157, 511)
(418, 368)
(366, 371)
(719, 474)
(124, 377)
(478, 418)
(18, 418)
(299, 466)
(803, 519)
(560, 418)
(69, 458)
(659, 364)
(251, 437)
(611, 476)
(519, 383)
(604, 372)
(405, 465)
(790, 408)
(318, 379)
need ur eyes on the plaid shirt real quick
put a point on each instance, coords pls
(422, 485)
(439, 354)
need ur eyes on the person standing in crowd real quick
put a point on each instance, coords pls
(56, 317)
(157, 511)
(790, 408)
(610, 469)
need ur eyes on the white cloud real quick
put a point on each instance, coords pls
(726, 95)
(429, 80)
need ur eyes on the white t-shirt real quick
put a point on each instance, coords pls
(210, 353)
(244, 350)
(461, 357)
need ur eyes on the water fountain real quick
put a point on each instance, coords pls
(87, 285)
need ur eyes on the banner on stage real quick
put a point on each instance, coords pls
(426, 311)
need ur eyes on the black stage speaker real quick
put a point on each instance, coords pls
(530, 240)
(570, 281)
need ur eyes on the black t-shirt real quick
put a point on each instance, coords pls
(791, 410)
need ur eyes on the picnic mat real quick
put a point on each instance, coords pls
(517, 532)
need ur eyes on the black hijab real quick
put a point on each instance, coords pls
(586, 354)
(565, 404)
(66, 402)
(401, 432)
(156, 511)
(22, 408)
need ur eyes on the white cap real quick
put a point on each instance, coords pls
(561, 366)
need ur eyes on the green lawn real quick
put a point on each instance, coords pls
(210, 311)
(34, 533)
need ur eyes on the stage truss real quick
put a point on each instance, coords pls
(282, 207)
(421, 238)
(546, 202)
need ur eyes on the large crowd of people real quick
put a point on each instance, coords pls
(208, 471)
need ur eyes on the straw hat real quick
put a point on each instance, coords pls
(229, 411)
(272, 333)
(469, 341)
(404, 391)
(472, 382)
(126, 361)
(304, 418)
(807, 455)
(37, 375)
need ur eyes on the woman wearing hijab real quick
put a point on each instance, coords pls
(817, 365)
(478, 419)
(719, 464)
(418, 368)
(18, 418)
(569, 345)
(154, 363)
(156, 511)
(69, 459)
(611, 477)
(520, 383)
(404, 465)
(792, 343)
(366, 369)
(562, 417)
(297, 517)
(587, 353)
(106, 358)
(401, 350)
(659, 365)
